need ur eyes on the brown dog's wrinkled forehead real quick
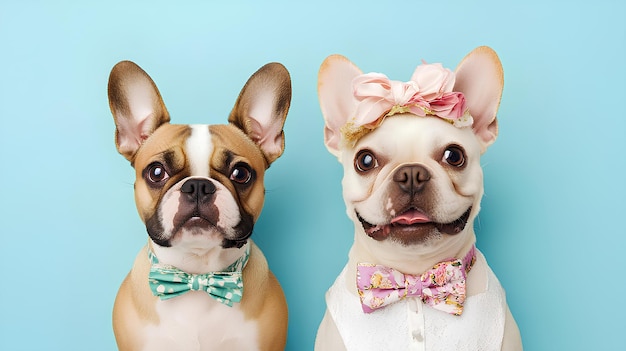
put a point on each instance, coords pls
(230, 140)
(225, 139)
(154, 147)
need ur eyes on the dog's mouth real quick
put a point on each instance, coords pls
(197, 224)
(413, 225)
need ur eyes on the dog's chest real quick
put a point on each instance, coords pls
(195, 321)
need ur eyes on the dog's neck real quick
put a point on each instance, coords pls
(412, 259)
(198, 260)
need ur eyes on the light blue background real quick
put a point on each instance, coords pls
(552, 224)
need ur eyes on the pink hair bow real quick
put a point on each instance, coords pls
(428, 93)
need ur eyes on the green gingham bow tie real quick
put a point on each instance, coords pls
(226, 287)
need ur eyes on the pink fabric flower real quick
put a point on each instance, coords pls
(449, 105)
(439, 275)
(378, 95)
(428, 93)
(433, 80)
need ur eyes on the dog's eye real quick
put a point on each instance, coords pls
(365, 161)
(241, 174)
(156, 173)
(454, 156)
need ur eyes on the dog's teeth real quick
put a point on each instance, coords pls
(377, 229)
(373, 230)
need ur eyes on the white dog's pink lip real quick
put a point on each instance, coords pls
(410, 217)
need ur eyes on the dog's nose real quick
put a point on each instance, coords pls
(199, 189)
(411, 178)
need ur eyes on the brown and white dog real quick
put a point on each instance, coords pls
(412, 186)
(199, 190)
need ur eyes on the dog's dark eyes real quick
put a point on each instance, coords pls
(454, 156)
(241, 174)
(156, 173)
(365, 161)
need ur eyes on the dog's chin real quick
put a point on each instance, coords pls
(197, 229)
(197, 226)
(414, 233)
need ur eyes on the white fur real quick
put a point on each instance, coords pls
(198, 254)
(199, 149)
(195, 321)
(455, 191)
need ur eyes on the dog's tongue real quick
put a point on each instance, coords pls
(411, 217)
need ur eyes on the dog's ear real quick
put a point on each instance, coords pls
(480, 78)
(136, 105)
(334, 88)
(261, 109)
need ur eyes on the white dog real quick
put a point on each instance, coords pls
(412, 186)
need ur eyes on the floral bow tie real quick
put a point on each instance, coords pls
(442, 287)
(226, 287)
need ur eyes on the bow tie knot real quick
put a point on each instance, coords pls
(226, 287)
(442, 287)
